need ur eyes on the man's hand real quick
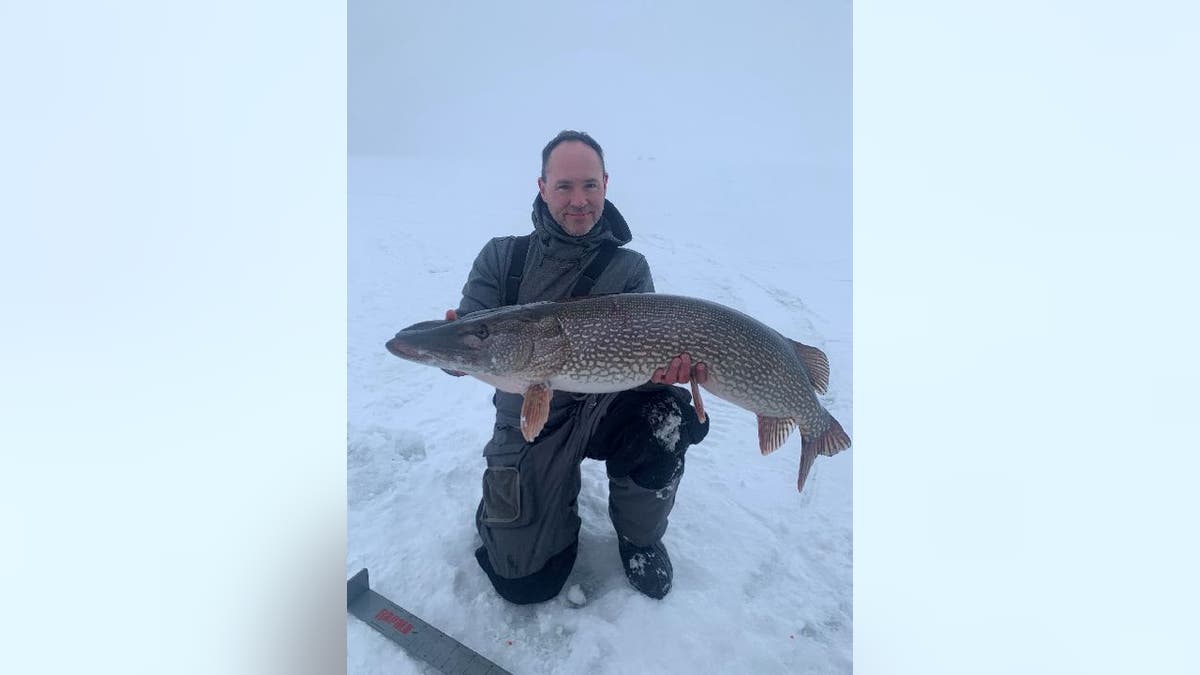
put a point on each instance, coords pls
(681, 371)
(452, 315)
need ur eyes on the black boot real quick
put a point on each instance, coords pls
(648, 568)
(537, 587)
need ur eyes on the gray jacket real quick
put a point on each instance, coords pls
(554, 263)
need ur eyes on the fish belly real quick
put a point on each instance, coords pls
(511, 385)
(590, 385)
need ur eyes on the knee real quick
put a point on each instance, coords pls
(672, 421)
(659, 472)
(537, 587)
(646, 436)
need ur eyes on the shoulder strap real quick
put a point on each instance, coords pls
(604, 256)
(516, 268)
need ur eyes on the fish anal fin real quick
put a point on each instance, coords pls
(816, 363)
(772, 432)
(535, 410)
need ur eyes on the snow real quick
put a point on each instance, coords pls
(762, 574)
(666, 426)
(576, 595)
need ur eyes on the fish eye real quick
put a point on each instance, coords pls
(481, 332)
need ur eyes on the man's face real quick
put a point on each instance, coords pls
(574, 187)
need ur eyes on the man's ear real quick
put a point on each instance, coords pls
(542, 187)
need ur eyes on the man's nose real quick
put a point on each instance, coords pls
(578, 198)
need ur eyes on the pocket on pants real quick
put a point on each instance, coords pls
(506, 500)
(501, 495)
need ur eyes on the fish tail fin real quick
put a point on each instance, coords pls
(807, 456)
(832, 441)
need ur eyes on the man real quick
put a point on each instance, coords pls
(528, 516)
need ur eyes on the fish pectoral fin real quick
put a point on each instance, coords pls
(816, 363)
(535, 410)
(772, 432)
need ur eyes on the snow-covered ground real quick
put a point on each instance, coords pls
(762, 573)
(727, 138)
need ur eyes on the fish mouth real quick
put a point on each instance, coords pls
(401, 348)
(402, 345)
(422, 326)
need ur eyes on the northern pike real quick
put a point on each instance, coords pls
(610, 343)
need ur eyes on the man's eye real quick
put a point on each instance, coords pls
(562, 188)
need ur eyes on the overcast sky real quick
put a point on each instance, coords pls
(723, 82)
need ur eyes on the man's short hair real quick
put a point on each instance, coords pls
(570, 135)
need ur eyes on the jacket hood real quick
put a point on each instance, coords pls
(611, 227)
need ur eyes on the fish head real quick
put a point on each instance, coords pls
(508, 342)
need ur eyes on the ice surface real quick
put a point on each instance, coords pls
(727, 144)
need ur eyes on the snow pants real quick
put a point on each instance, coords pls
(528, 517)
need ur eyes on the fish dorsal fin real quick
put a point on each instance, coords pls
(535, 410)
(816, 363)
(772, 432)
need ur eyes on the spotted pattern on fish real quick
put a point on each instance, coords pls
(616, 342)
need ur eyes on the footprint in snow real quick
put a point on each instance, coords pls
(377, 446)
